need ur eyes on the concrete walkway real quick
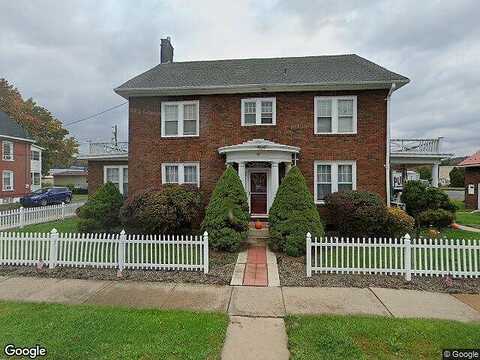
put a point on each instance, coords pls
(256, 329)
(466, 228)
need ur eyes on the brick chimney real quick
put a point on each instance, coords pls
(166, 51)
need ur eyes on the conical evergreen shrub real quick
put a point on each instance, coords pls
(227, 214)
(292, 215)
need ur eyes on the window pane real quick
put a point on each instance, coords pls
(324, 173)
(171, 174)
(250, 107)
(345, 124)
(345, 107)
(267, 107)
(171, 112)
(190, 174)
(113, 175)
(324, 108)
(190, 127)
(344, 187)
(344, 173)
(250, 118)
(190, 112)
(324, 125)
(125, 175)
(171, 128)
(323, 190)
(267, 118)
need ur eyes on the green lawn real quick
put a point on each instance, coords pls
(449, 233)
(79, 197)
(468, 218)
(89, 332)
(459, 204)
(67, 225)
(357, 338)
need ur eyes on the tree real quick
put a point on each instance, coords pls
(293, 214)
(227, 214)
(425, 173)
(43, 127)
(457, 177)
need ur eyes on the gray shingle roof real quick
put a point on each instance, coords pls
(321, 70)
(9, 127)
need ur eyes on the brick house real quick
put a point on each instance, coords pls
(20, 164)
(328, 115)
(472, 180)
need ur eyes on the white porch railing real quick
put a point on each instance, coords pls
(423, 257)
(36, 215)
(121, 251)
(103, 148)
(415, 146)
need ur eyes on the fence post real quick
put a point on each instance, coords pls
(63, 210)
(205, 252)
(408, 257)
(53, 248)
(22, 217)
(121, 251)
(309, 255)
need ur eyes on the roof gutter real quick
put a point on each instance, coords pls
(387, 159)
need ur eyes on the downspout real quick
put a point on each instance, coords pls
(387, 160)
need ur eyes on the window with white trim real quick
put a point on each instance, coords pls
(335, 114)
(181, 173)
(7, 150)
(258, 111)
(180, 118)
(333, 176)
(118, 176)
(35, 178)
(7, 180)
(35, 155)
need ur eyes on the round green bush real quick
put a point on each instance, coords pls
(357, 213)
(418, 198)
(292, 215)
(173, 209)
(438, 218)
(399, 223)
(101, 211)
(227, 214)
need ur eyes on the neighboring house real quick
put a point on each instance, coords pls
(326, 114)
(17, 165)
(472, 180)
(75, 177)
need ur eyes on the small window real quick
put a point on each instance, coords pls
(35, 177)
(7, 180)
(333, 176)
(335, 115)
(118, 175)
(181, 173)
(7, 149)
(180, 118)
(261, 111)
(35, 155)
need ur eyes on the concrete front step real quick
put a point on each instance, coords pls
(258, 233)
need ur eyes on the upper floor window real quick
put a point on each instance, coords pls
(180, 118)
(35, 155)
(118, 175)
(7, 180)
(181, 173)
(335, 115)
(333, 176)
(7, 150)
(259, 111)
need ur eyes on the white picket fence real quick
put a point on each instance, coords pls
(35, 215)
(424, 257)
(161, 252)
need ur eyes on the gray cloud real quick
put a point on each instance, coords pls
(69, 55)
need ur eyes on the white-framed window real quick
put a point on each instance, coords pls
(7, 150)
(8, 180)
(35, 178)
(333, 176)
(181, 173)
(335, 114)
(35, 154)
(118, 175)
(259, 111)
(180, 118)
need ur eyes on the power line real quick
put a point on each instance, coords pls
(95, 115)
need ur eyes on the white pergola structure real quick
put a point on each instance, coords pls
(260, 156)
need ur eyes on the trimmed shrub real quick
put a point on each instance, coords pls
(172, 209)
(457, 177)
(399, 223)
(357, 213)
(227, 214)
(101, 211)
(418, 198)
(293, 214)
(438, 218)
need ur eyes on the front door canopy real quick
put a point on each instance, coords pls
(259, 150)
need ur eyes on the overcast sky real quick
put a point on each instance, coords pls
(69, 55)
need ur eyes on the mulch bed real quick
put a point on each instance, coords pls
(221, 270)
(292, 273)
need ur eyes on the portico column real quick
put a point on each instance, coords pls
(241, 172)
(435, 175)
(274, 179)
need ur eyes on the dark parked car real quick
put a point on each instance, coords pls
(47, 196)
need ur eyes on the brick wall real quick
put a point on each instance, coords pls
(220, 126)
(20, 167)
(95, 173)
(472, 176)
